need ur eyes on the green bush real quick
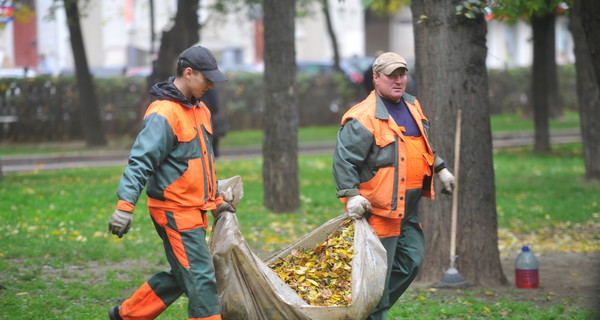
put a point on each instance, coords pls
(48, 108)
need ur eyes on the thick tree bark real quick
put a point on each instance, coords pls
(280, 143)
(183, 34)
(451, 52)
(544, 79)
(91, 122)
(588, 95)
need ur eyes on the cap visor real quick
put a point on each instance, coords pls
(214, 75)
(392, 67)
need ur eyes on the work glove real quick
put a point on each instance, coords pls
(225, 206)
(447, 179)
(357, 206)
(120, 222)
(232, 190)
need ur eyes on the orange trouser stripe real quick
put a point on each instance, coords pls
(215, 317)
(143, 305)
(177, 246)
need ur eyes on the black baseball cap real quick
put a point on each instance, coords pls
(201, 59)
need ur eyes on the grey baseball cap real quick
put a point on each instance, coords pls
(201, 59)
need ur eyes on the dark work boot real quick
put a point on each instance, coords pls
(113, 313)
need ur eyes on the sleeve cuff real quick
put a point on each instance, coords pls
(440, 167)
(125, 206)
(219, 200)
(346, 193)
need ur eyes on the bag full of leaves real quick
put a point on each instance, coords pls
(321, 275)
(250, 289)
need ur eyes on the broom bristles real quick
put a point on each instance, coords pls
(452, 279)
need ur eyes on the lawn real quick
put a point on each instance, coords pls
(58, 261)
(241, 138)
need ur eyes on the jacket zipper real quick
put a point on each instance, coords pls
(394, 204)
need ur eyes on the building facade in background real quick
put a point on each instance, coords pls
(119, 38)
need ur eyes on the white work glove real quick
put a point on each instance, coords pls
(225, 206)
(357, 206)
(447, 179)
(120, 222)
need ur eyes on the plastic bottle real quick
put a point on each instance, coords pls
(526, 270)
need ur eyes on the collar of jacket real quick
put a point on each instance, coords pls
(167, 90)
(380, 109)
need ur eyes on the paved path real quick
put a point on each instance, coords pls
(28, 163)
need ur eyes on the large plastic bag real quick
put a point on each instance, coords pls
(249, 289)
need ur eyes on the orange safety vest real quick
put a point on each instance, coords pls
(386, 190)
(175, 156)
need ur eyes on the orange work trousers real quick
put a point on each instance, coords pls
(192, 272)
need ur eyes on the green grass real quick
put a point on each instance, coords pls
(480, 303)
(240, 138)
(58, 261)
(518, 123)
(534, 191)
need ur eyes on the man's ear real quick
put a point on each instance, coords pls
(187, 72)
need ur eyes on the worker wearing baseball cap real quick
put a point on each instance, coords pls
(383, 164)
(173, 158)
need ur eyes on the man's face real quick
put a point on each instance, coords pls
(391, 87)
(199, 84)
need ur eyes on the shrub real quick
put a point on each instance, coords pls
(47, 108)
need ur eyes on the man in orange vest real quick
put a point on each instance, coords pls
(173, 158)
(383, 164)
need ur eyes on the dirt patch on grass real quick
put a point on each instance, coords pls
(564, 276)
(567, 278)
(95, 271)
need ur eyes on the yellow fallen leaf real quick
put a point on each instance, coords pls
(321, 275)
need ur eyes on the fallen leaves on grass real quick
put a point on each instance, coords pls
(562, 236)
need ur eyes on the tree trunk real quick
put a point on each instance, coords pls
(183, 34)
(588, 95)
(544, 79)
(451, 52)
(332, 36)
(91, 122)
(590, 20)
(280, 143)
(553, 93)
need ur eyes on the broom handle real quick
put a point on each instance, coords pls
(455, 192)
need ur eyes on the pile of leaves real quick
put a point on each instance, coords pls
(322, 275)
(562, 236)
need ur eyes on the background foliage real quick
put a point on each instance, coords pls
(47, 107)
